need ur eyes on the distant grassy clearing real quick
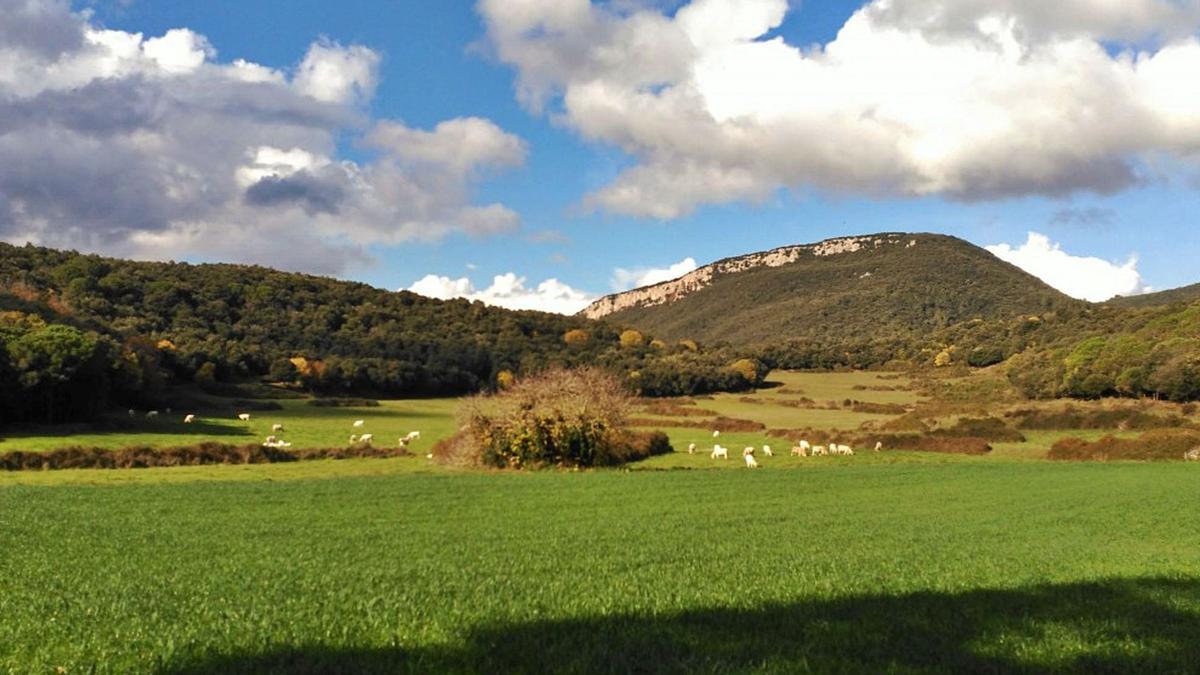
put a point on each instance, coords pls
(305, 426)
(926, 567)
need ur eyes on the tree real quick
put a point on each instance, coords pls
(632, 338)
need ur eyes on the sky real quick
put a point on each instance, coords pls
(541, 153)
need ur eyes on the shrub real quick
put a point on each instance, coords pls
(958, 445)
(576, 418)
(632, 338)
(987, 428)
(139, 457)
(1159, 444)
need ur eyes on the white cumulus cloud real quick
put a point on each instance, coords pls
(1081, 277)
(625, 279)
(964, 99)
(507, 290)
(151, 147)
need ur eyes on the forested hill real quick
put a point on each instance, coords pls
(877, 287)
(1185, 294)
(129, 328)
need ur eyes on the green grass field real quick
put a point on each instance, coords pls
(907, 568)
(890, 562)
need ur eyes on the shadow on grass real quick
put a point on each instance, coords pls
(132, 430)
(1115, 626)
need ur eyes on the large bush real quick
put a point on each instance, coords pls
(565, 418)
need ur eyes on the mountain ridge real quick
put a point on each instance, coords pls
(891, 283)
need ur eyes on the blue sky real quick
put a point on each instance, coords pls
(438, 61)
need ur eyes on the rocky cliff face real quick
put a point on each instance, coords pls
(670, 291)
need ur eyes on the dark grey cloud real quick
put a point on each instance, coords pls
(1091, 217)
(45, 28)
(302, 188)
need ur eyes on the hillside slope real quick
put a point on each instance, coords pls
(883, 285)
(1184, 294)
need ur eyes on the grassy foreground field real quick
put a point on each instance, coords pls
(889, 562)
(904, 568)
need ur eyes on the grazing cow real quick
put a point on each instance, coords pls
(799, 451)
(358, 424)
(845, 450)
(152, 413)
(805, 446)
(413, 435)
(750, 462)
(276, 427)
(366, 438)
(429, 456)
(353, 439)
(691, 448)
(717, 434)
(720, 452)
(189, 419)
(403, 443)
(767, 451)
(132, 412)
(748, 450)
(245, 417)
(1192, 455)
(878, 446)
(819, 451)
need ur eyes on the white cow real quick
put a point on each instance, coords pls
(353, 439)
(750, 462)
(878, 446)
(747, 451)
(845, 450)
(245, 417)
(805, 446)
(152, 413)
(188, 419)
(691, 448)
(799, 451)
(767, 451)
(819, 451)
(366, 438)
(720, 452)
(132, 412)
(403, 443)
(276, 427)
(413, 435)
(358, 424)
(1192, 455)
(717, 434)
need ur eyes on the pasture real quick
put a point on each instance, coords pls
(889, 562)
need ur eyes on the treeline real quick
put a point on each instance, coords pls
(82, 333)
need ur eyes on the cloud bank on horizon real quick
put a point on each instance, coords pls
(150, 147)
(963, 99)
(1080, 277)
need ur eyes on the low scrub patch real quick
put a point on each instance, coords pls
(140, 457)
(1156, 445)
(1071, 417)
(674, 409)
(956, 445)
(988, 428)
(563, 418)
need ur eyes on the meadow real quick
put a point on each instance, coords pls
(889, 562)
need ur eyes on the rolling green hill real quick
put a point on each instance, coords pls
(79, 333)
(857, 288)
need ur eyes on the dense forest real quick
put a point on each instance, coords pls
(82, 333)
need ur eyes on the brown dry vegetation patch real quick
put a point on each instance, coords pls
(957, 445)
(673, 409)
(1156, 445)
(1071, 417)
(988, 428)
(139, 457)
